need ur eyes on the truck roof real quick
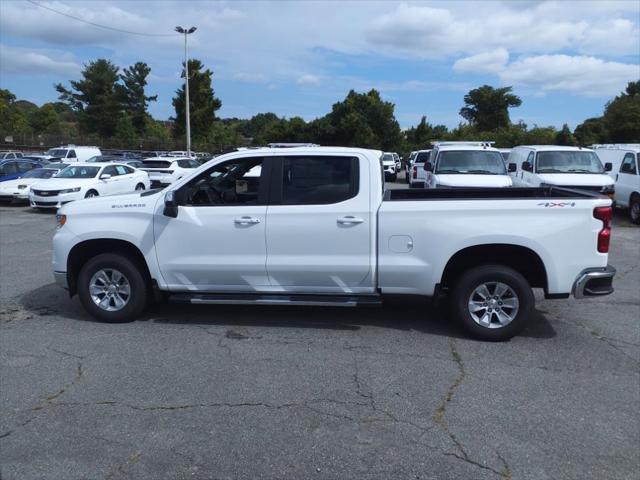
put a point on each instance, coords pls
(449, 147)
(311, 150)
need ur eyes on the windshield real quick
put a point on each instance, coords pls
(40, 173)
(57, 152)
(387, 157)
(481, 162)
(568, 162)
(505, 156)
(78, 172)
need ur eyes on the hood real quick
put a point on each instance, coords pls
(62, 183)
(471, 180)
(388, 162)
(18, 181)
(576, 179)
(129, 202)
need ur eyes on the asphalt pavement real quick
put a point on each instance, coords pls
(239, 392)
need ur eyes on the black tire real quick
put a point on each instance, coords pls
(91, 194)
(487, 274)
(139, 187)
(634, 209)
(139, 290)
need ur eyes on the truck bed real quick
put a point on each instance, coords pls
(486, 194)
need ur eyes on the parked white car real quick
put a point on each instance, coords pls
(164, 171)
(19, 188)
(570, 167)
(466, 164)
(389, 166)
(316, 228)
(181, 154)
(625, 160)
(86, 180)
(418, 175)
(398, 162)
(71, 153)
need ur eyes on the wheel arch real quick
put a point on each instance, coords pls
(87, 249)
(522, 259)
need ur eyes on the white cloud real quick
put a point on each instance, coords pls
(486, 62)
(580, 75)
(308, 79)
(23, 61)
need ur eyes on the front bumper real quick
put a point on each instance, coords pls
(593, 282)
(61, 279)
(57, 201)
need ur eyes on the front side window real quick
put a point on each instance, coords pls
(628, 164)
(8, 168)
(319, 180)
(479, 162)
(110, 170)
(236, 182)
(568, 162)
(72, 154)
(57, 152)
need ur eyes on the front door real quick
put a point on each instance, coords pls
(217, 241)
(319, 235)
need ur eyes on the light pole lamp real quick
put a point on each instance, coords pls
(186, 32)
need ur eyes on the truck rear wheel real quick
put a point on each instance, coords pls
(493, 302)
(112, 288)
(634, 209)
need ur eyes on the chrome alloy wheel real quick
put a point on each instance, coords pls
(110, 289)
(493, 305)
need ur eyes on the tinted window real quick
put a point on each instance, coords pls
(319, 180)
(110, 170)
(25, 166)
(72, 154)
(628, 164)
(236, 182)
(186, 164)
(9, 168)
(423, 157)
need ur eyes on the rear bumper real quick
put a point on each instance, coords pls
(593, 282)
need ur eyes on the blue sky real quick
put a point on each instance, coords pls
(565, 59)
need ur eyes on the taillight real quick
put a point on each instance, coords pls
(415, 172)
(604, 236)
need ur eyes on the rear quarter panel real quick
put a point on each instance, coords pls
(562, 232)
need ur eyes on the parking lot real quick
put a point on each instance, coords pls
(254, 392)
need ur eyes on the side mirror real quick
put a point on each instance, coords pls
(527, 166)
(512, 167)
(170, 205)
(428, 166)
(105, 176)
(608, 167)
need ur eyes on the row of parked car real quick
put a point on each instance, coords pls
(65, 174)
(612, 170)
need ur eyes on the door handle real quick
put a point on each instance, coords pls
(350, 220)
(246, 221)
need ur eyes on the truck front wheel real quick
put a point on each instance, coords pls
(112, 288)
(493, 302)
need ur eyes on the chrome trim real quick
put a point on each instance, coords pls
(61, 279)
(591, 274)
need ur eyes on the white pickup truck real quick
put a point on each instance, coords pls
(316, 227)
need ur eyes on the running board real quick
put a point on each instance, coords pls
(276, 299)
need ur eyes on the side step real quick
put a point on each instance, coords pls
(276, 299)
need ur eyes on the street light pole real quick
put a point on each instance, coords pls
(186, 32)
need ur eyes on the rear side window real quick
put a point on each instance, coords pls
(319, 180)
(110, 170)
(71, 154)
(186, 164)
(25, 166)
(423, 157)
(122, 170)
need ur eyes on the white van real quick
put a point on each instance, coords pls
(466, 164)
(417, 175)
(625, 159)
(72, 153)
(571, 167)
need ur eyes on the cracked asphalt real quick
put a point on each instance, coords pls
(294, 393)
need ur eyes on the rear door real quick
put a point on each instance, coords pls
(318, 232)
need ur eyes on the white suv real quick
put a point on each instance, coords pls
(164, 171)
(416, 175)
(389, 166)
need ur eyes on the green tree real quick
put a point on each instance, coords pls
(487, 108)
(622, 115)
(565, 137)
(591, 131)
(94, 98)
(125, 131)
(45, 120)
(202, 102)
(364, 120)
(132, 94)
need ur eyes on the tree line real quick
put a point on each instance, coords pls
(108, 104)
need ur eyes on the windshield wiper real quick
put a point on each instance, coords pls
(485, 172)
(448, 171)
(551, 170)
(580, 170)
